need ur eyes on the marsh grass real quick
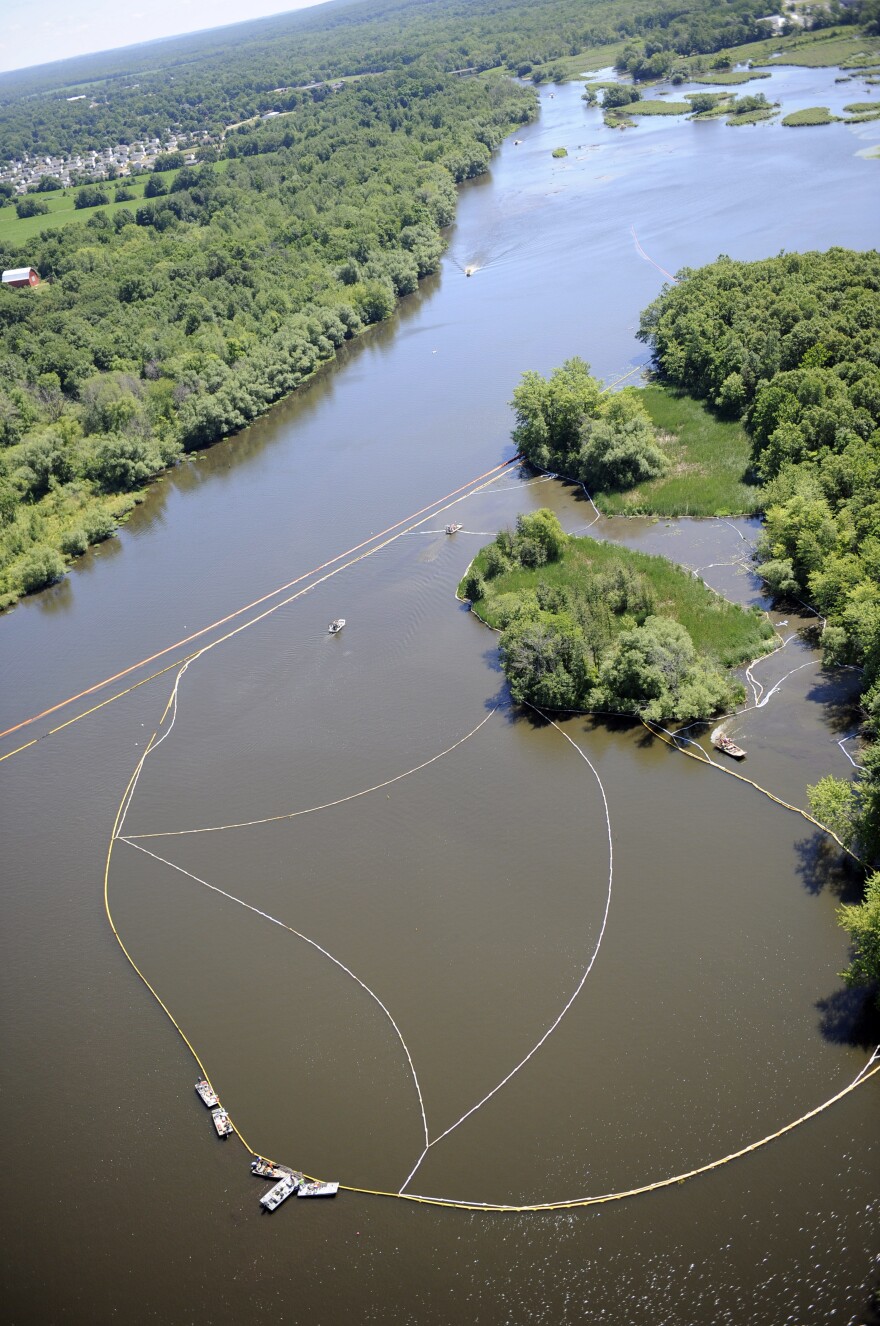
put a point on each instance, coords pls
(730, 77)
(659, 108)
(721, 629)
(810, 115)
(753, 117)
(709, 462)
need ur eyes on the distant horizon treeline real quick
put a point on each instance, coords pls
(206, 81)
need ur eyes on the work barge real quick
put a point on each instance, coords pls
(286, 1181)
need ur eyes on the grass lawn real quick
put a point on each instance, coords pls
(709, 458)
(722, 629)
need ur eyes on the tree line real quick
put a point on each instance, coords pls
(208, 81)
(180, 320)
(791, 345)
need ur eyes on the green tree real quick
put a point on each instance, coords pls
(862, 921)
(619, 448)
(550, 413)
(654, 670)
(30, 206)
(41, 567)
(622, 94)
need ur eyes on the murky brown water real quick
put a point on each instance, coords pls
(469, 896)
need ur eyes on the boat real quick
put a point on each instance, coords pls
(316, 1189)
(452, 529)
(264, 1169)
(285, 1188)
(336, 626)
(469, 271)
(721, 741)
(207, 1093)
(222, 1123)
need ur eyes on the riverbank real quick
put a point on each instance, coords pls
(161, 330)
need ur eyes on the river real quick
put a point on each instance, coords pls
(472, 895)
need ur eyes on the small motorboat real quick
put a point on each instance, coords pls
(469, 271)
(721, 741)
(336, 626)
(207, 1093)
(452, 529)
(222, 1123)
(272, 1199)
(317, 1189)
(263, 1169)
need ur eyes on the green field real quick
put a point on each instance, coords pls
(18, 230)
(709, 459)
(575, 66)
(820, 50)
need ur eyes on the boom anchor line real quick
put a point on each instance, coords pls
(871, 1068)
(435, 508)
(135, 841)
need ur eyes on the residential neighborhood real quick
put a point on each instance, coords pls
(111, 163)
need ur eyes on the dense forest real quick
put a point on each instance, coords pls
(181, 319)
(210, 80)
(792, 345)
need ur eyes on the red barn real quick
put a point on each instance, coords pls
(15, 277)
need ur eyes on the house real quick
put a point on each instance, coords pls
(15, 277)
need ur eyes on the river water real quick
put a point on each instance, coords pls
(471, 895)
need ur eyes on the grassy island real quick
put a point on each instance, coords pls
(589, 625)
(811, 115)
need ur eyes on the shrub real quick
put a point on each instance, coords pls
(98, 525)
(474, 586)
(494, 561)
(120, 464)
(30, 206)
(74, 542)
(620, 95)
(43, 566)
(93, 197)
